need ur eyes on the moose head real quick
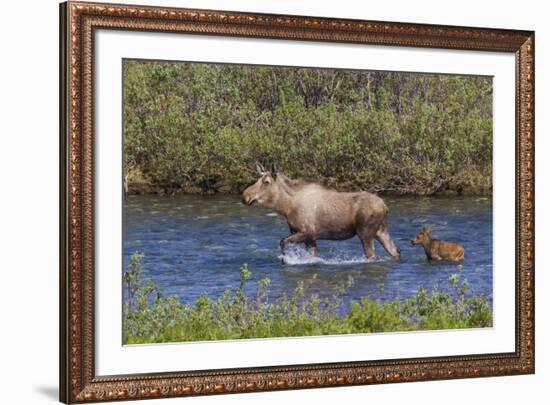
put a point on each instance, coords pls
(265, 190)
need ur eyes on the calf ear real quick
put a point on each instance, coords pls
(273, 171)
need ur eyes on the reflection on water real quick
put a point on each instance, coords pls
(196, 244)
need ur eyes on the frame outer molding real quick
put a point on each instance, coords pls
(78, 382)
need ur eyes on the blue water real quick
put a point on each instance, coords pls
(197, 244)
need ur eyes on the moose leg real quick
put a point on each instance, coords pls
(298, 237)
(384, 238)
(366, 230)
(368, 247)
(311, 247)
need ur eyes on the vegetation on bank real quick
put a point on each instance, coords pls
(149, 317)
(199, 128)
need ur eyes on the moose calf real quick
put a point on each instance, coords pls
(438, 250)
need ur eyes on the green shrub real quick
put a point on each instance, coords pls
(200, 127)
(234, 315)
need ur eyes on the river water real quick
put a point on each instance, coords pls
(197, 244)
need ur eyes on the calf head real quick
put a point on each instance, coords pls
(422, 237)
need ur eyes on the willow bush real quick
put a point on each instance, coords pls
(196, 128)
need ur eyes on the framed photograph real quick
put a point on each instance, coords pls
(263, 202)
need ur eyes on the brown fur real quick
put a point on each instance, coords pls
(315, 212)
(438, 250)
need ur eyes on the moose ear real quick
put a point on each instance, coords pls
(260, 169)
(273, 171)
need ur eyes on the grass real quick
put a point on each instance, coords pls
(149, 317)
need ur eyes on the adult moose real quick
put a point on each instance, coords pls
(315, 212)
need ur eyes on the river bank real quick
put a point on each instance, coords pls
(141, 186)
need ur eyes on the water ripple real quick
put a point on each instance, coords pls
(197, 244)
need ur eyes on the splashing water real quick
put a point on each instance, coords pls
(296, 255)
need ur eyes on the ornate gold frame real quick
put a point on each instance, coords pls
(78, 381)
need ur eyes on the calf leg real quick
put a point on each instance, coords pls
(298, 237)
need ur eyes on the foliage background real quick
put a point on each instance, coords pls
(199, 128)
